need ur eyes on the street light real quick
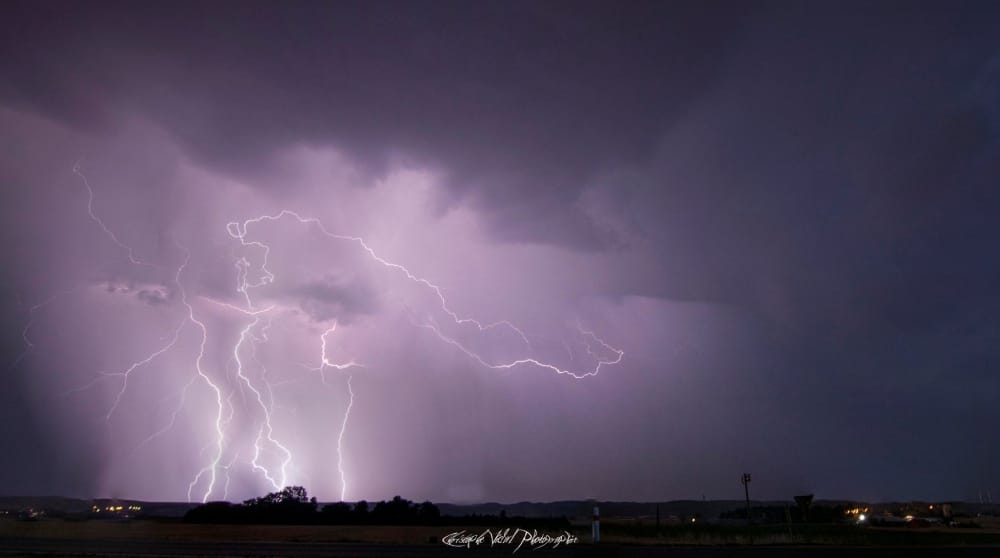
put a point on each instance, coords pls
(746, 489)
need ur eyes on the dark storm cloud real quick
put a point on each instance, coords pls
(335, 298)
(519, 103)
(828, 170)
(527, 106)
(153, 297)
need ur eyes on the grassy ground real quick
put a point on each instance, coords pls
(176, 531)
(796, 535)
(612, 532)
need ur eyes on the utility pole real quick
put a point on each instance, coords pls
(595, 528)
(746, 490)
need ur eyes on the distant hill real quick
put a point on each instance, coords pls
(584, 508)
(67, 505)
(708, 509)
(79, 506)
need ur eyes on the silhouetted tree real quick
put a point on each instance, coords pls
(338, 513)
(289, 505)
(361, 513)
(289, 494)
(428, 513)
(292, 505)
(394, 512)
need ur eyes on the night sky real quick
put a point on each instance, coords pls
(529, 250)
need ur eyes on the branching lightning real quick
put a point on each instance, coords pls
(249, 277)
(429, 325)
(28, 344)
(128, 371)
(100, 222)
(212, 468)
(325, 361)
(181, 400)
(266, 428)
(239, 230)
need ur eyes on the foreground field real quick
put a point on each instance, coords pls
(152, 538)
(797, 534)
(176, 531)
(140, 548)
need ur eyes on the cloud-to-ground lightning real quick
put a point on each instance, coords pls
(252, 272)
(239, 231)
(211, 468)
(340, 440)
(266, 429)
(227, 467)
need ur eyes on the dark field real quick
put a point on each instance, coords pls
(152, 538)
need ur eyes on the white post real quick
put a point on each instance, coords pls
(596, 526)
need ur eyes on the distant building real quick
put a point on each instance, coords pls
(109, 509)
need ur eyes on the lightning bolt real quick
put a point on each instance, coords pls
(182, 398)
(125, 374)
(128, 371)
(255, 331)
(266, 428)
(340, 441)
(529, 361)
(28, 343)
(227, 467)
(324, 360)
(100, 222)
(212, 468)
(239, 230)
(324, 364)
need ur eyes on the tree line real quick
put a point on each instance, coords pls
(293, 506)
